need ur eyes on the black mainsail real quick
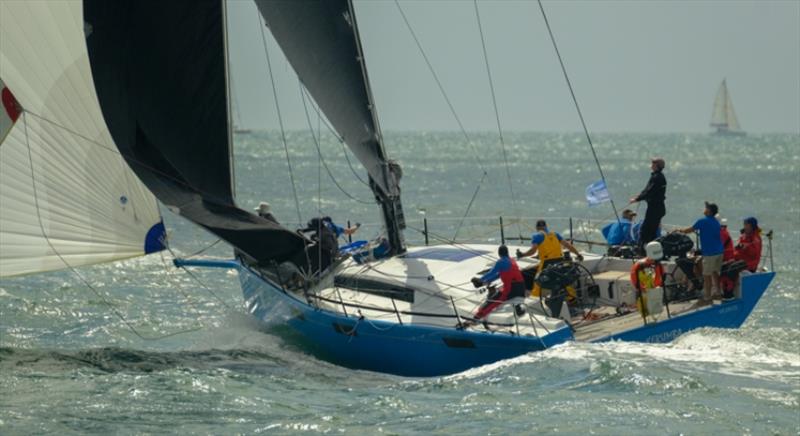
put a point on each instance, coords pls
(160, 74)
(320, 39)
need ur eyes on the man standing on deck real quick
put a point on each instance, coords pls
(654, 194)
(711, 248)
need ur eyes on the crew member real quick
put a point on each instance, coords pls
(513, 284)
(619, 232)
(654, 194)
(264, 210)
(727, 242)
(727, 281)
(647, 276)
(748, 248)
(549, 246)
(338, 230)
(711, 248)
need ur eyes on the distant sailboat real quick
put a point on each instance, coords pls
(237, 124)
(723, 117)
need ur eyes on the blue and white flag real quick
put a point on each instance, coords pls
(597, 193)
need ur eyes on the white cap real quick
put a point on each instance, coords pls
(722, 221)
(263, 208)
(654, 250)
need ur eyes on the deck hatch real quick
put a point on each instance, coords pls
(375, 287)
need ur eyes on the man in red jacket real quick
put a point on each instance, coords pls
(727, 242)
(749, 247)
(513, 284)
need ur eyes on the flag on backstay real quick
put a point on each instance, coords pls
(597, 193)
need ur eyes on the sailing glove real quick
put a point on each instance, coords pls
(477, 282)
(519, 253)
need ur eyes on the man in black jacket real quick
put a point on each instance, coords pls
(654, 194)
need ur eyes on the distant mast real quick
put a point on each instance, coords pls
(723, 117)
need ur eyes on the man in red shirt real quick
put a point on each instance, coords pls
(749, 247)
(513, 284)
(727, 242)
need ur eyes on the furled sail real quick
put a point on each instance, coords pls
(723, 116)
(320, 40)
(160, 73)
(67, 197)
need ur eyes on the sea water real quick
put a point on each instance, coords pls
(188, 359)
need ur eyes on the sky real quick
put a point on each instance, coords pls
(636, 66)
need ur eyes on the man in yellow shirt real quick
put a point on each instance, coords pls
(549, 246)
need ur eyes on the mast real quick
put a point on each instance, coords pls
(391, 207)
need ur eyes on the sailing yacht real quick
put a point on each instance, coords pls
(409, 312)
(723, 117)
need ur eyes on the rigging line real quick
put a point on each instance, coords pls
(335, 134)
(496, 113)
(577, 106)
(168, 272)
(203, 250)
(469, 206)
(441, 87)
(261, 26)
(97, 293)
(116, 151)
(200, 282)
(319, 151)
(455, 244)
(472, 146)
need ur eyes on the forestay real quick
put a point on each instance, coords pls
(67, 198)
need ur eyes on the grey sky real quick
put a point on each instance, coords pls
(636, 66)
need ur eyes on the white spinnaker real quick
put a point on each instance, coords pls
(67, 198)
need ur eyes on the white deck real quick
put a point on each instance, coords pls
(438, 277)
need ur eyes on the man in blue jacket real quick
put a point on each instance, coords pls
(619, 232)
(711, 248)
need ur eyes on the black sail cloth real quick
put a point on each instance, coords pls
(159, 72)
(320, 40)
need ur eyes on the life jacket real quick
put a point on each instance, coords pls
(550, 248)
(749, 250)
(647, 274)
(511, 275)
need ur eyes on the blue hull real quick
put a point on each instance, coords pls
(422, 351)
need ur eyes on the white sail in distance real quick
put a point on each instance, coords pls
(723, 116)
(67, 198)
